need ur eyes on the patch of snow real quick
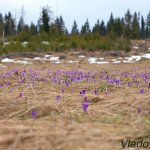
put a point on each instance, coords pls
(6, 43)
(2, 65)
(136, 47)
(37, 58)
(22, 62)
(101, 58)
(48, 55)
(12, 60)
(146, 56)
(61, 44)
(57, 62)
(81, 56)
(119, 58)
(46, 43)
(70, 61)
(128, 61)
(102, 62)
(28, 59)
(117, 62)
(7, 60)
(54, 58)
(114, 59)
(92, 60)
(24, 43)
(76, 52)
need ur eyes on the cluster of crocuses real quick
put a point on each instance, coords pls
(25, 78)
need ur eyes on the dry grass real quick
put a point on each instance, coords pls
(61, 125)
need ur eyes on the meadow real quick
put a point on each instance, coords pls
(77, 106)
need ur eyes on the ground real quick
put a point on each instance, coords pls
(64, 125)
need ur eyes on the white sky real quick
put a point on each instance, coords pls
(79, 10)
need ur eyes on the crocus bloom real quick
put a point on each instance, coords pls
(58, 98)
(45, 80)
(142, 91)
(107, 93)
(86, 99)
(20, 82)
(149, 85)
(95, 92)
(20, 95)
(85, 106)
(139, 111)
(33, 83)
(33, 114)
(62, 91)
(13, 89)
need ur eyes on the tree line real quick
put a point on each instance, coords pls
(131, 26)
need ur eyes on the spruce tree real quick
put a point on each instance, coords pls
(142, 31)
(9, 24)
(96, 28)
(135, 27)
(33, 29)
(74, 28)
(1, 25)
(21, 24)
(86, 28)
(118, 27)
(45, 19)
(110, 24)
(102, 28)
(60, 25)
(128, 25)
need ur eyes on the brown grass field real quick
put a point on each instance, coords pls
(61, 125)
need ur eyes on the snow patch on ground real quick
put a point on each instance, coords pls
(54, 58)
(13, 61)
(81, 56)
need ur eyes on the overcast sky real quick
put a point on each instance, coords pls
(79, 10)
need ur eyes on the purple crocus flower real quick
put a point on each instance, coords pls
(63, 91)
(26, 99)
(83, 92)
(149, 85)
(107, 93)
(86, 99)
(20, 95)
(142, 91)
(58, 98)
(85, 106)
(7, 83)
(33, 83)
(139, 111)
(13, 89)
(33, 114)
(95, 92)
(45, 80)
(20, 82)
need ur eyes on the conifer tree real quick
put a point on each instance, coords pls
(102, 28)
(9, 24)
(21, 24)
(45, 19)
(74, 28)
(96, 28)
(128, 25)
(118, 27)
(86, 28)
(110, 24)
(1, 25)
(135, 27)
(142, 31)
